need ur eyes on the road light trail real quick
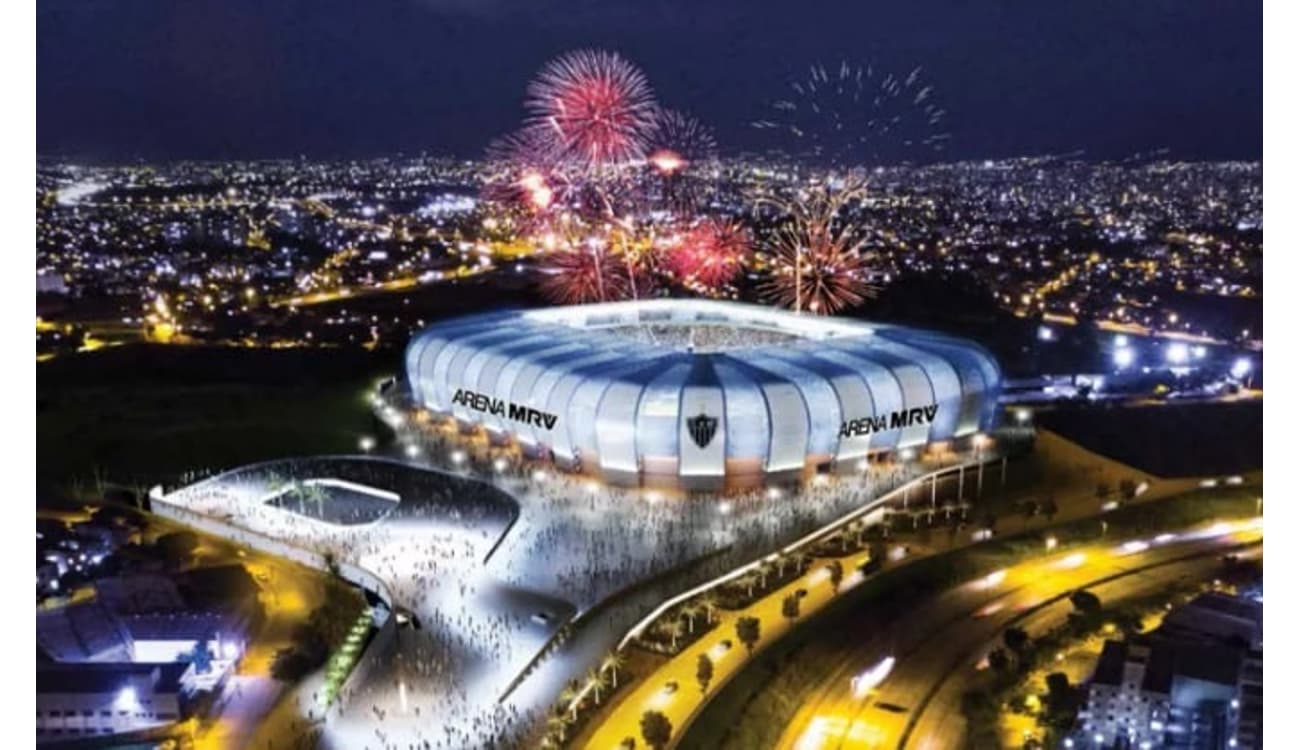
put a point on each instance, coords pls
(1014, 601)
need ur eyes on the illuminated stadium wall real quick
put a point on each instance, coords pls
(700, 394)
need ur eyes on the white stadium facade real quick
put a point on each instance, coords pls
(700, 394)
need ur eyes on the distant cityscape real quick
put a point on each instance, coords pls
(245, 253)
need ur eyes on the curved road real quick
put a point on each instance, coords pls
(918, 703)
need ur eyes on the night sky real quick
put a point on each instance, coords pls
(217, 79)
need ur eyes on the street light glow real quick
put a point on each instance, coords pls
(1177, 353)
(870, 679)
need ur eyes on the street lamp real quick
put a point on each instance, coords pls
(980, 440)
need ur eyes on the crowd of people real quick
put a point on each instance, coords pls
(457, 559)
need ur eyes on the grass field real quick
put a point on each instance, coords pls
(150, 415)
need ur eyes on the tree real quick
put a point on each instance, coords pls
(790, 607)
(999, 660)
(747, 581)
(703, 672)
(1061, 703)
(611, 663)
(690, 611)
(1085, 602)
(559, 724)
(656, 730)
(836, 570)
(747, 630)
(676, 630)
(595, 680)
(1016, 639)
(569, 700)
(1058, 691)
(709, 606)
(177, 547)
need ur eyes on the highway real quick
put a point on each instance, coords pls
(939, 722)
(938, 646)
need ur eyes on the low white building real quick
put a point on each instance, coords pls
(97, 700)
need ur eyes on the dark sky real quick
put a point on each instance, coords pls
(123, 79)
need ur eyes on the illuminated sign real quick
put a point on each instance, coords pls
(890, 421)
(497, 407)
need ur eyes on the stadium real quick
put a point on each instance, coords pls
(697, 394)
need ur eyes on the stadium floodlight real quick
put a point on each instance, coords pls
(1123, 357)
(1177, 353)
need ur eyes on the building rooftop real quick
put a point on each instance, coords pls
(106, 677)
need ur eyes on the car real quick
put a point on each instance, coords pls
(670, 687)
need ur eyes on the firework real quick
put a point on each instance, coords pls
(711, 253)
(593, 108)
(816, 260)
(581, 275)
(678, 142)
(860, 115)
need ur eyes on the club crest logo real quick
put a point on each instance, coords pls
(702, 429)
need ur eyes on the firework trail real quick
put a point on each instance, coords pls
(858, 115)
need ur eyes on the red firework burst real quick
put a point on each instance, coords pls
(595, 108)
(582, 275)
(712, 252)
